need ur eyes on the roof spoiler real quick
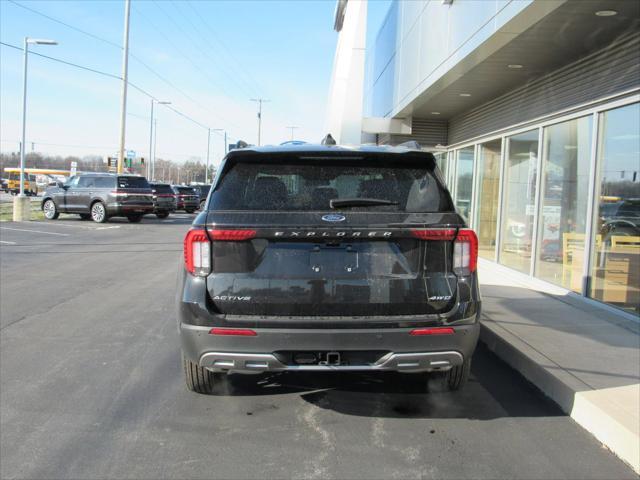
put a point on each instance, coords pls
(412, 144)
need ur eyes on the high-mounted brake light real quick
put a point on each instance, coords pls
(242, 332)
(433, 331)
(197, 252)
(465, 247)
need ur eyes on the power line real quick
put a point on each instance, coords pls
(64, 61)
(252, 81)
(141, 90)
(185, 56)
(205, 52)
(66, 25)
(108, 42)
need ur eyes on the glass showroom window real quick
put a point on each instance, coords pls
(487, 199)
(615, 264)
(565, 185)
(441, 162)
(464, 181)
(519, 200)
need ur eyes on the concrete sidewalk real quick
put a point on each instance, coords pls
(585, 358)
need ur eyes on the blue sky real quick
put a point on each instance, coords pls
(212, 57)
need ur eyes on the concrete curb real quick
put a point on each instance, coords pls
(609, 414)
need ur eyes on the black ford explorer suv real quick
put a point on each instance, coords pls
(164, 199)
(326, 258)
(99, 196)
(187, 198)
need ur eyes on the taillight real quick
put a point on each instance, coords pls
(465, 252)
(465, 247)
(197, 247)
(232, 235)
(197, 252)
(434, 233)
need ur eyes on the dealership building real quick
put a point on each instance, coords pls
(532, 108)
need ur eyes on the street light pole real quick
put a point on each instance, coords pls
(125, 80)
(292, 128)
(21, 207)
(260, 101)
(206, 169)
(209, 130)
(151, 170)
(155, 140)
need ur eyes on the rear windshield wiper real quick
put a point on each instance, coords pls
(359, 202)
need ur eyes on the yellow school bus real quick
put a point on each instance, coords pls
(30, 186)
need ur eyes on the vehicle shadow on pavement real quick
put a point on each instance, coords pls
(494, 391)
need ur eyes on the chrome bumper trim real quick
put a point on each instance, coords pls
(267, 362)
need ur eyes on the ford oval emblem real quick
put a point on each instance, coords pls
(334, 217)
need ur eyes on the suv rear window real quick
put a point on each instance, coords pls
(302, 185)
(160, 188)
(187, 190)
(132, 182)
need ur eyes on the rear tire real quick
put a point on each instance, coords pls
(189, 210)
(198, 379)
(134, 218)
(162, 215)
(451, 380)
(99, 212)
(50, 210)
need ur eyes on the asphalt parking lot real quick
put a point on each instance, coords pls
(91, 386)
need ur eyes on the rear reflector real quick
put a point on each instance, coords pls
(242, 332)
(433, 331)
(232, 235)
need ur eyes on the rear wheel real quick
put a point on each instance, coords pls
(135, 218)
(162, 214)
(451, 380)
(202, 205)
(50, 210)
(99, 212)
(198, 379)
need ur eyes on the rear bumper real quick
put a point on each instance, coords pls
(120, 209)
(400, 351)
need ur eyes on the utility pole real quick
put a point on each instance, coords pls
(260, 102)
(292, 128)
(125, 80)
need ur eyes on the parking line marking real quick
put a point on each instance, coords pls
(36, 231)
(107, 228)
(8, 243)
